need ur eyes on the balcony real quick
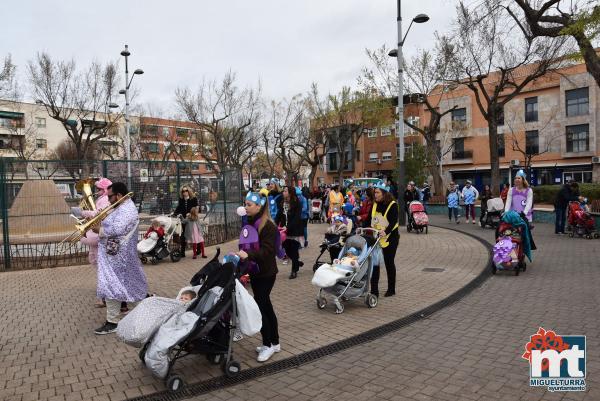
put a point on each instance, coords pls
(462, 154)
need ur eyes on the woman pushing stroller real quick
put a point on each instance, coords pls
(520, 200)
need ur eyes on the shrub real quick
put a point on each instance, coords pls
(547, 193)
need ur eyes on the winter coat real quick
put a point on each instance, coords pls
(185, 206)
(292, 220)
(189, 229)
(564, 196)
(264, 257)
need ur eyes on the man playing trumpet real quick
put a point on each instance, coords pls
(120, 273)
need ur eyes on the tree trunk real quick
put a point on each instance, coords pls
(438, 182)
(494, 158)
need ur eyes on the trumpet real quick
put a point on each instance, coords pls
(85, 187)
(84, 226)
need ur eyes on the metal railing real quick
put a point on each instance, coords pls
(36, 197)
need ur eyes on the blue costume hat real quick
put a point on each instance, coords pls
(274, 181)
(521, 174)
(256, 198)
(338, 218)
(382, 186)
(353, 251)
(298, 191)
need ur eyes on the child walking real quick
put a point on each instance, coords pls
(453, 203)
(193, 232)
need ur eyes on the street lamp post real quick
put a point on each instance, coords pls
(125, 53)
(419, 19)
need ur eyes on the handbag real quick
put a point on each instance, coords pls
(249, 316)
(113, 244)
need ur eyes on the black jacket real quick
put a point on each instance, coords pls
(293, 220)
(185, 205)
(564, 196)
(392, 218)
(410, 196)
(265, 256)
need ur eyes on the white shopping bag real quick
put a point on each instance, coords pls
(249, 316)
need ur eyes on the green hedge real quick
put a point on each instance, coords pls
(547, 193)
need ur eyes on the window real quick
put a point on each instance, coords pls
(40, 122)
(332, 162)
(150, 130)
(531, 109)
(397, 151)
(386, 156)
(577, 176)
(165, 131)
(578, 138)
(577, 102)
(532, 142)
(386, 131)
(373, 157)
(458, 150)
(414, 121)
(184, 149)
(182, 131)
(459, 118)
(501, 147)
(41, 143)
(209, 167)
(459, 144)
(152, 147)
(357, 155)
(371, 132)
(500, 117)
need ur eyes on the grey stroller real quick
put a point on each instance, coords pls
(355, 282)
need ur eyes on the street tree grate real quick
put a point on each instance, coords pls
(221, 382)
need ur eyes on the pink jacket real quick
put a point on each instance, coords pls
(91, 238)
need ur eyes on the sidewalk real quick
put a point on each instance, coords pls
(470, 350)
(48, 350)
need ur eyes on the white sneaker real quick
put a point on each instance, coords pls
(265, 354)
(276, 348)
(237, 336)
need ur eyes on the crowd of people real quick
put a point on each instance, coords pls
(280, 214)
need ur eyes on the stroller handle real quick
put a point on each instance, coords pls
(360, 230)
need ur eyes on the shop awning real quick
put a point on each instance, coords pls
(11, 114)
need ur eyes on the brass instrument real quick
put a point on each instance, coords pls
(85, 226)
(85, 187)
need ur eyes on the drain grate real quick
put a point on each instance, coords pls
(434, 269)
(218, 383)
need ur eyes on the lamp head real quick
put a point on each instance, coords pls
(393, 53)
(420, 18)
(138, 71)
(125, 51)
(113, 105)
(122, 92)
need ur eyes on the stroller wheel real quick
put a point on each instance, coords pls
(321, 303)
(175, 383)
(426, 229)
(154, 260)
(589, 236)
(596, 235)
(339, 308)
(144, 260)
(494, 269)
(215, 359)
(371, 300)
(571, 234)
(232, 368)
(175, 256)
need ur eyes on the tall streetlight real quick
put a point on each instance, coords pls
(419, 19)
(125, 53)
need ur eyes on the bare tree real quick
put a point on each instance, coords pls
(8, 79)
(494, 61)
(578, 19)
(342, 118)
(78, 100)
(226, 117)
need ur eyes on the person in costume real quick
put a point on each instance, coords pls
(262, 278)
(336, 200)
(384, 218)
(520, 199)
(120, 273)
(187, 201)
(290, 217)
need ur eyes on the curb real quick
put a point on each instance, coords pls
(295, 361)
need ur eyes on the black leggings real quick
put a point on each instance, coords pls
(261, 287)
(389, 254)
(292, 248)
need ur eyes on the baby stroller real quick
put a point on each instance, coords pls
(316, 211)
(155, 248)
(581, 222)
(417, 218)
(493, 213)
(205, 328)
(332, 243)
(350, 283)
(508, 251)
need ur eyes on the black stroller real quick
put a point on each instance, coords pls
(212, 333)
(492, 213)
(332, 243)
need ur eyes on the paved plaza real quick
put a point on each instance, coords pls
(48, 350)
(470, 350)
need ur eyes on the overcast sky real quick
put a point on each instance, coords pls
(286, 44)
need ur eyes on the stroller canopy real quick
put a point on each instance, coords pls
(495, 205)
(416, 206)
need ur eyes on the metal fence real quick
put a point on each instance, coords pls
(36, 197)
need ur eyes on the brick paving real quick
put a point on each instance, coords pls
(48, 350)
(470, 350)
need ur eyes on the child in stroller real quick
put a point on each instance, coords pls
(351, 277)
(581, 221)
(334, 239)
(417, 218)
(155, 246)
(512, 244)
